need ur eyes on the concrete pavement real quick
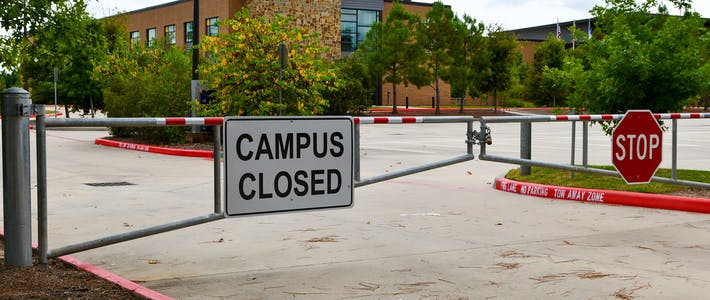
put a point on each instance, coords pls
(442, 234)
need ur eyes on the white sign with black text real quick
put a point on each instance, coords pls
(282, 164)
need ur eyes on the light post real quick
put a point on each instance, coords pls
(283, 59)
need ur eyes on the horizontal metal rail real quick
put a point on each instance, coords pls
(110, 240)
(604, 117)
(410, 171)
(425, 167)
(131, 122)
(218, 214)
(42, 123)
(526, 161)
(411, 120)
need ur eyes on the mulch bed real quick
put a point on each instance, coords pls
(56, 280)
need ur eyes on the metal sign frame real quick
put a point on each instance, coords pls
(279, 168)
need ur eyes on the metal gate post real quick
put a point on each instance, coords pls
(356, 152)
(217, 169)
(585, 143)
(574, 146)
(525, 146)
(17, 208)
(674, 162)
(41, 138)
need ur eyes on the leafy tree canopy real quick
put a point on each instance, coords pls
(549, 56)
(502, 47)
(436, 35)
(72, 43)
(243, 68)
(21, 19)
(642, 59)
(391, 52)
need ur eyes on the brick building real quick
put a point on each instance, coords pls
(341, 25)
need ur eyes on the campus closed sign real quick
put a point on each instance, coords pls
(287, 164)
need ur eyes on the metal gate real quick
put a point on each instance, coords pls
(16, 112)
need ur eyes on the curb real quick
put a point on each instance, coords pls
(108, 276)
(689, 204)
(154, 149)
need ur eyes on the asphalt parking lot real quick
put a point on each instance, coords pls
(440, 234)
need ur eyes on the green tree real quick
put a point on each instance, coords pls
(436, 35)
(550, 55)
(470, 59)
(356, 92)
(20, 20)
(644, 60)
(147, 82)
(243, 68)
(501, 52)
(71, 42)
(390, 51)
(7, 80)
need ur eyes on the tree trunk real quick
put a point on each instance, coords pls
(66, 111)
(495, 101)
(394, 98)
(394, 91)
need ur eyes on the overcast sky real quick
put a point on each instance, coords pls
(511, 14)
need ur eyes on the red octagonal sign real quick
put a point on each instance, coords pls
(637, 144)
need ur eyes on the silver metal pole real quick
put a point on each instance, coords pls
(41, 134)
(217, 157)
(194, 96)
(574, 146)
(56, 77)
(356, 152)
(133, 235)
(525, 146)
(674, 167)
(422, 168)
(17, 206)
(585, 143)
(469, 133)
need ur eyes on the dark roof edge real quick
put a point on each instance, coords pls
(157, 6)
(406, 2)
(562, 24)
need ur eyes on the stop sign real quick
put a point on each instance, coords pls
(637, 144)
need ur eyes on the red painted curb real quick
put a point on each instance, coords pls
(688, 204)
(108, 276)
(154, 149)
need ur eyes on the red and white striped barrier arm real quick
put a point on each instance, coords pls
(388, 120)
(682, 116)
(586, 117)
(607, 117)
(189, 121)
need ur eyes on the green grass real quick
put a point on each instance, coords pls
(596, 181)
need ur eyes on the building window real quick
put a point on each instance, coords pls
(355, 23)
(188, 34)
(135, 37)
(150, 36)
(170, 34)
(211, 28)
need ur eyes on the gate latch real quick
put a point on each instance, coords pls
(477, 138)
